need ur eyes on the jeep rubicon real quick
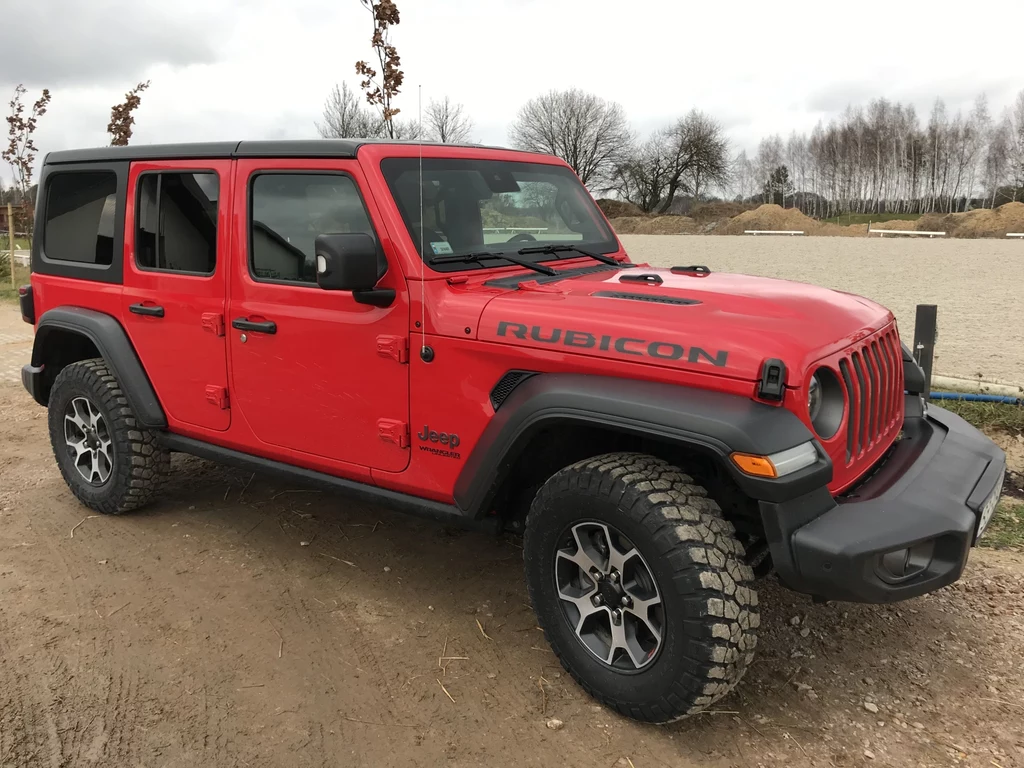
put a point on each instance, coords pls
(457, 332)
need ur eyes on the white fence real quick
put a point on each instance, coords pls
(911, 232)
(1015, 234)
(773, 232)
(510, 230)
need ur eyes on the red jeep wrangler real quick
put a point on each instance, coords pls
(457, 332)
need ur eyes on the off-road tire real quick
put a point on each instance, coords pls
(139, 464)
(710, 609)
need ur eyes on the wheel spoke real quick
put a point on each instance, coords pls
(618, 560)
(584, 605)
(80, 422)
(94, 469)
(79, 448)
(640, 609)
(580, 559)
(95, 418)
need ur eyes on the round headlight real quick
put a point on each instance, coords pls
(825, 403)
(814, 397)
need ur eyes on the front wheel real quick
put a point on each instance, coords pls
(640, 586)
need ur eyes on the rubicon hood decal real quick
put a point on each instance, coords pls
(626, 345)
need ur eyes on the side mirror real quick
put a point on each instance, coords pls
(346, 262)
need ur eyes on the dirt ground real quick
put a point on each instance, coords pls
(240, 622)
(977, 285)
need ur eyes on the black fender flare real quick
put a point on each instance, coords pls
(717, 422)
(111, 340)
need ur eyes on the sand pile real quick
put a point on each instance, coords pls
(654, 225)
(615, 209)
(770, 217)
(717, 211)
(895, 225)
(986, 222)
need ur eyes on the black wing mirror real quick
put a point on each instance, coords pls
(348, 262)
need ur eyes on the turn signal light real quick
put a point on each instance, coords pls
(759, 466)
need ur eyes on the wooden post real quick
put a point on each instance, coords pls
(10, 232)
(925, 327)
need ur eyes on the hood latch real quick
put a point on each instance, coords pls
(773, 380)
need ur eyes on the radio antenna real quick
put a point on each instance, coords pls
(424, 353)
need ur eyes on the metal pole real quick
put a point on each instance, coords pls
(925, 329)
(10, 232)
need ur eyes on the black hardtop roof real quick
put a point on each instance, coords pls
(341, 148)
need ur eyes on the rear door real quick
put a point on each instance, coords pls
(177, 239)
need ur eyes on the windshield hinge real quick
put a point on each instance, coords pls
(395, 347)
(773, 380)
(213, 322)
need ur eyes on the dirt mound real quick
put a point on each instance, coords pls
(895, 225)
(717, 211)
(654, 225)
(614, 209)
(771, 218)
(986, 222)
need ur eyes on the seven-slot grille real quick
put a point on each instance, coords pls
(873, 374)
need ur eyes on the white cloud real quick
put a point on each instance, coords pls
(261, 69)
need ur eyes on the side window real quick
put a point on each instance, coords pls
(176, 222)
(79, 224)
(288, 211)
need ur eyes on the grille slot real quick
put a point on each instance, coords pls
(852, 433)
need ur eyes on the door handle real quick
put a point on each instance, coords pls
(265, 326)
(142, 309)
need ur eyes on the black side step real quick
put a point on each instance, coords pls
(448, 514)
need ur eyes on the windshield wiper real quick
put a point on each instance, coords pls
(552, 249)
(481, 255)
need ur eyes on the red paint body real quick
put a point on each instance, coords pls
(336, 385)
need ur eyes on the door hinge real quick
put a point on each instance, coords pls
(392, 431)
(218, 396)
(214, 323)
(395, 347)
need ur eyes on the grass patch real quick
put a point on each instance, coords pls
(21, 277)
(870, 218)
(987, 416)
(1006, 530)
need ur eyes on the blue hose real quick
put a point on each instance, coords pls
(976, 398)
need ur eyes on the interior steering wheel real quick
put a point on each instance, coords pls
(522, 237)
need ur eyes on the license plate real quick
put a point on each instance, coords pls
(989, 507)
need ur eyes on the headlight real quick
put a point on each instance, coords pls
(814, 398)
(825, 403)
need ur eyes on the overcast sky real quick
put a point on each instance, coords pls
(262, 68)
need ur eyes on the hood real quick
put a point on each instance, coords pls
(718, 323)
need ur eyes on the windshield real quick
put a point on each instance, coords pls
(474, 205)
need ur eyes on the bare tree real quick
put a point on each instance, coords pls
(21, 150)
(708, 164)
(1016, 116)
(122, 116)
(592, 135)
(381, 86)
(446, 122)
(643, 177)
(345, 117)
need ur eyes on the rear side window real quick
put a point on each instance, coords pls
(176, 222)
(79, 224)
(288, 211)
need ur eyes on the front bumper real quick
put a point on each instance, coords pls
(904, 531)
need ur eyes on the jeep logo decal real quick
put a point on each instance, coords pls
(659, 350)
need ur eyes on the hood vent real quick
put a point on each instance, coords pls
(648, 297)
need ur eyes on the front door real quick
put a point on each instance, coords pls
(312, 370)
(177, 239)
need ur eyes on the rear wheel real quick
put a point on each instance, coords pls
(110, 463)
(640, 586)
